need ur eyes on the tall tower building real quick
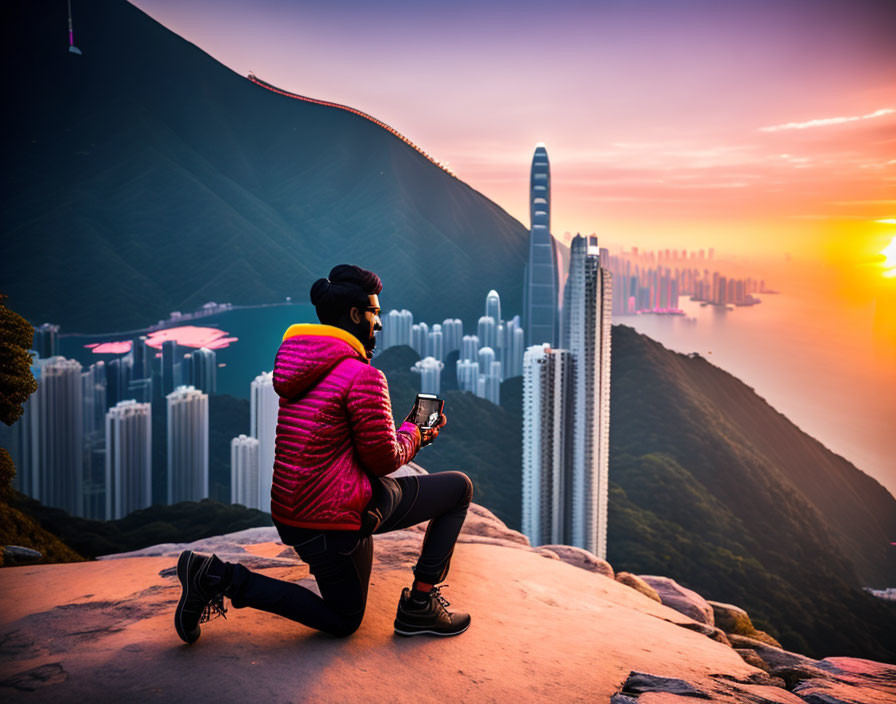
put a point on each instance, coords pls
(170, 366)
(142, 355)
(419, 336)
(469, 347)
(46, 340)
(430, 371)
(586, 327)
(93, 396)
(204, 370)
(128, 458)
(94, 404)
(52, 436)
(264, 407)
(493, 306)
(548, 400)
(244, 482)
(58, 453)
(467, 375)
(396, 329)
(187, 445)
(487, 331)
(540, 288)
(435, 343)
(453, 330)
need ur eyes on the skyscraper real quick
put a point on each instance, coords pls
(435, 343)
(45, 340)
(187, 445)
(548, 401)
(264, 407)
(493, 306)
(204, 370)
(50, 454)
(430, 370)
(244, 482)
(469, 347)
(396, 329)
(540, 286)
(419, 336)
(514, 339)
(467, 375)
(170, 366)
(487, 331)
(453, 330)
(94, 404)
(586, 330)
(142, 355)
(128, 458)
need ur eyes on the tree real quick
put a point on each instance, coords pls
(16, 380)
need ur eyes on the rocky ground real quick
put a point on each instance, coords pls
(549, 623)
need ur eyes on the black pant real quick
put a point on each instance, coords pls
(340, 560)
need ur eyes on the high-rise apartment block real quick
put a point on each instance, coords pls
(142, 355)
(264, 407)
(48, 447)
(429, 369)
(170, 367)
(453, 331)
(588, 301)
(46, 340)
(396, 329)
(204, 370)
(548, 414)
(128, 458)
(244, 463)
(187, 444)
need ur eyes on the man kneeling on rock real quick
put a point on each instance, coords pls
(335, 442)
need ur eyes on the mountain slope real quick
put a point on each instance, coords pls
(741, 448)
(144, 177)
(713, 487)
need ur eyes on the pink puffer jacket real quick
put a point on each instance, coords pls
(334, 426)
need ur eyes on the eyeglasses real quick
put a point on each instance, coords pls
(375, 311)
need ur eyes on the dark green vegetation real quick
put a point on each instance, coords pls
(481, 439)
(183, 522)
(145, 177)
(713, 487)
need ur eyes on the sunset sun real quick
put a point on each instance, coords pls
(890, 262)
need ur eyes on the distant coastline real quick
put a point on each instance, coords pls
(177, 318)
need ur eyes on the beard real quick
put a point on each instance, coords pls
(362, 332)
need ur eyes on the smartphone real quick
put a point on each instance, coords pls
(428, 410)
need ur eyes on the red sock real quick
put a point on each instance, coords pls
(420, 589)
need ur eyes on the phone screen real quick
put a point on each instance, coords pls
(429, 410)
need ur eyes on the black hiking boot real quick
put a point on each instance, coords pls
(202, 597)
(431, 618)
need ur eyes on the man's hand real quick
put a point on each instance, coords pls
(430, 434)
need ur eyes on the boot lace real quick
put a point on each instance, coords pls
(213, 609)
(437, 595)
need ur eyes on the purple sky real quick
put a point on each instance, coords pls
(652, 111)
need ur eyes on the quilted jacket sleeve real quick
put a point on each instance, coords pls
(380, 448)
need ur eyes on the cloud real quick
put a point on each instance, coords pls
(825, 121)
